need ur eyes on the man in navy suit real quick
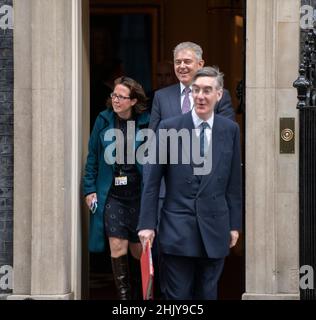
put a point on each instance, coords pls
(168, 102)
(201, 215)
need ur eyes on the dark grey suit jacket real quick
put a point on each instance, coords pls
(167, 104)
(192, 219)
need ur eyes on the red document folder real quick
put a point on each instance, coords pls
(147, 269)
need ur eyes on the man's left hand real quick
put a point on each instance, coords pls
(146, 235)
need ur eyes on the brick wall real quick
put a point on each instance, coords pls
(6, 145)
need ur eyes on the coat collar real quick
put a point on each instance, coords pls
(107, 115)
(142, 119)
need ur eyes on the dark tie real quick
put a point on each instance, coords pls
(203, 126)
(186, 105)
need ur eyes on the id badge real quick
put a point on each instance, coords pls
(121, 181)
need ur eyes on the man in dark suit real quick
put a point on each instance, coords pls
(168, 102)
(171, 102)
(201, 214)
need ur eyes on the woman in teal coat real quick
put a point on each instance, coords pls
(112, 189)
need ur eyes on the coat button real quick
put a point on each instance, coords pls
(189, 181)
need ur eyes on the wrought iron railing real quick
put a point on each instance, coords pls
(306, 94)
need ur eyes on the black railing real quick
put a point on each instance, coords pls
(306, 89)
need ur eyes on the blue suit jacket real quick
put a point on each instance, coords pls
(167, 104)
(190, 220)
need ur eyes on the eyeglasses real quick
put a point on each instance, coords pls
(205, 91)
(119, 97)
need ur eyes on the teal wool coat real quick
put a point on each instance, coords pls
(98, 175)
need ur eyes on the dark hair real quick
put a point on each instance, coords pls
(136, 92)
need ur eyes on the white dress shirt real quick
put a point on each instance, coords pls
(197, 125)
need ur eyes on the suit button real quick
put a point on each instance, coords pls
(189, 181)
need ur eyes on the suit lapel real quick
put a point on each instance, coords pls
(216, 151)
(186, 147)
(175, 101)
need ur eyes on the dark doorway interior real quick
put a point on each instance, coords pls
(122, 42)
(128, 39)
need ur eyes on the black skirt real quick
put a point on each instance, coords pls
(121, 212)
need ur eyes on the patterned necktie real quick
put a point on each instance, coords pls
(186, 105)
(203, 126)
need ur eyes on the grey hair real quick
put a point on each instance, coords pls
(212, 72)
(189, 46)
